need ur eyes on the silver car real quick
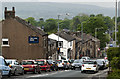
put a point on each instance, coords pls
(77, 64)
(16, 68)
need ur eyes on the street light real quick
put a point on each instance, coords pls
(58, 31)
(96, 40)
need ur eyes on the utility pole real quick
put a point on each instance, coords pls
(116, 24)
(81, 37)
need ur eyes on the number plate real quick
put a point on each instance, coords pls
(76, 66)
(26, 68)
(88, 68)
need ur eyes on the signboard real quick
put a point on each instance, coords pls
(33, 39)
(59, 44)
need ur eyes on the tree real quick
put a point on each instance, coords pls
(51, 25)
(93, 23)
(32, 21)
(65, 24)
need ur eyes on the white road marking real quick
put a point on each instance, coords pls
(42, 75)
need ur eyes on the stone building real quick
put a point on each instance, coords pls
(21, 40)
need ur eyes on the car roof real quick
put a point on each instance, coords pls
(28, 60)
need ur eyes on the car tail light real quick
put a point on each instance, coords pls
(62, 63)
(51, 64)
(94, 66)
(83, 65)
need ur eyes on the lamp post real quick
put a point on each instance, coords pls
(116, 24)
(59, 35)
(95, 54)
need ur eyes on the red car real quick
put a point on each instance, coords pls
(43, 65)
(31, 66)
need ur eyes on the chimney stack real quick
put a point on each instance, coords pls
(9, 14)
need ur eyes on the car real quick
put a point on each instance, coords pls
(60, 64)
(101, 64)
(53, 64)
(66, 64)
(43, 65)
(77, 64)
(105, 62)
(0, 74)
(84, 58)
(89, 66)
(63, 64)
(4, 67)
(16, 68)
(31, 66)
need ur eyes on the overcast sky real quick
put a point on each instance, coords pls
(102, 3)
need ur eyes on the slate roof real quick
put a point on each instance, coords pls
(86, 37)
(34, 28)
(51, 41)
(66, 36)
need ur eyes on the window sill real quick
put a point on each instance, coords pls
(5, 45)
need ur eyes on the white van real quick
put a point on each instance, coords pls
(4, 67)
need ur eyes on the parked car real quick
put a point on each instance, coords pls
(89, 66)
(4, 67)
(31, 66)
(0, 74)
(53, 65)
(84, 58)
(16, 68)
(60, 64)
(105, 62)
(66, 64)
(43, 65)
(77, 64)
(101, 64)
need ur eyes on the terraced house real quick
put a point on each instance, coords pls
(21, 40)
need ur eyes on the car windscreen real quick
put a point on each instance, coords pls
(27, 62)
(8, 61)
(89, 62)
(76, 61)
(40, 62)
(99, 62)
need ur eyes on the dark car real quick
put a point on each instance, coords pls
(53, 64)
(31, 66)
(16, 68)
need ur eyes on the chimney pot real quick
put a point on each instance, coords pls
(13, 8)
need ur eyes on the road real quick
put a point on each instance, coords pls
(63, 74)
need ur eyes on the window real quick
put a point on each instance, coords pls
(33, 39)
(5, 42)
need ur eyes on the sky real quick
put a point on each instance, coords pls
(101, 3)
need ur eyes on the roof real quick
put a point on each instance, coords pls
(86, 37)
(34, 28)
(66, 36)
(51, 41)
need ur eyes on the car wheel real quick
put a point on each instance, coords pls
(9, 73)
(39, 72)
(15, 72)
(25, 72)
(22, 73)
(35, 71)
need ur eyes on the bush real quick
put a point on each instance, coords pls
(113, 52)
(114, 75)
(115, 63)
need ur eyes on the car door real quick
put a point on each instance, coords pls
(18, 67)
(5, 68)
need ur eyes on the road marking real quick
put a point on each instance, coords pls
(42, 75)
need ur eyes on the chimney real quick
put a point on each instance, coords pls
(9, 14)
